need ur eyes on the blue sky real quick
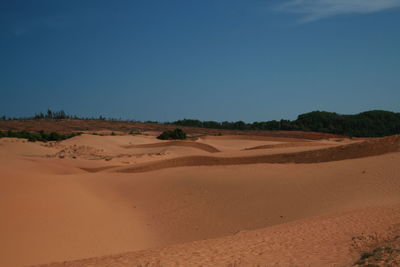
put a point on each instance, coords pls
(250, 60)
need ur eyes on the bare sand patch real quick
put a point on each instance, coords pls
(303, 208)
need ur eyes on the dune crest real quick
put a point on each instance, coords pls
(367, 148)
(200, 146)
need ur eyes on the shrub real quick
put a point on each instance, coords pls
(176, 134)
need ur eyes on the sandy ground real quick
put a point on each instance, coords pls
(225, 200)
(318, 241)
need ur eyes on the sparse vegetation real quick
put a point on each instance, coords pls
(388, 255)
(134, 131)
(62, 115)
(176, 134)
(37, 136)
(52, 115)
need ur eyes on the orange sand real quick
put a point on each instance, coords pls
(305, 203)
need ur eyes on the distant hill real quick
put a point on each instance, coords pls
(375, 123)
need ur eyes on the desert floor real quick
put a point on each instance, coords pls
(231, 200)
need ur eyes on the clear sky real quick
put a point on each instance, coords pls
(250, 60)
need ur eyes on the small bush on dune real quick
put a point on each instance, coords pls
(176, 134)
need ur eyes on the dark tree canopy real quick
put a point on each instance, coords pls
(373, 123)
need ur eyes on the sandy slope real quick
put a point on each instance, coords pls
(334, 240)
(66, 201)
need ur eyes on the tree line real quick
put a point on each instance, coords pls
(375, 123)
(61, 115)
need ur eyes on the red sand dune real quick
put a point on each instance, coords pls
(352, 151)
(290, 144)
(88, 197)
(333, 240)
(200, 146)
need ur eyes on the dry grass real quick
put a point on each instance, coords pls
(378, 250)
